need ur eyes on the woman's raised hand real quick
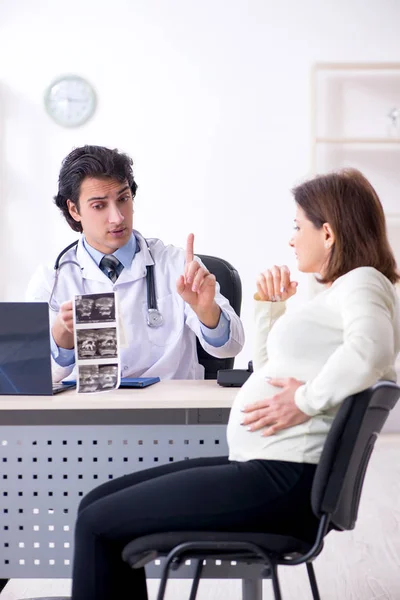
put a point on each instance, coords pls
(275, 285)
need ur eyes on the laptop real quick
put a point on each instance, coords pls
(25, 365)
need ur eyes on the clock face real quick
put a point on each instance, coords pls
(70, 101)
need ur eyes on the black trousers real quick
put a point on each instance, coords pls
(197, 494)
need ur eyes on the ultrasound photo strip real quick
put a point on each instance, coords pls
(98, 378)
(95, 308)
(96, 342)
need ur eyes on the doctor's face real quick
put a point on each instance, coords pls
(105, 213)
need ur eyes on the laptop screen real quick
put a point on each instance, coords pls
(25, 366)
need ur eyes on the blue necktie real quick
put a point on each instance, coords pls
(111, 266)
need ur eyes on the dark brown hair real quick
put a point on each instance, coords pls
(90, 161)
(347, 201)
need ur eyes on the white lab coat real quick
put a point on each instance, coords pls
(169, 351)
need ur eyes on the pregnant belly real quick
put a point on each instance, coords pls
(252, 444)
(298, 443)
(256, 388)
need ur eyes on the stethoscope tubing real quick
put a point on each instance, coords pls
(154, 317)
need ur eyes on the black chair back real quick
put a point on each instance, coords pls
(340, 473)
(230, 287)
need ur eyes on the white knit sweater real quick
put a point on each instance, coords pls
(339, 343)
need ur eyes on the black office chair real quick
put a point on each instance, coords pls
(231, 287)
(335, 499)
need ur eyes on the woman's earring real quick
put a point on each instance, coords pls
(327, 245)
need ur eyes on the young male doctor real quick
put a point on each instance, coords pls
(95, 194)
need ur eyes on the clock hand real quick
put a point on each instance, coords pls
(68, 99)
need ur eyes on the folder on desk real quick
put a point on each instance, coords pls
(129, 382)
(138, 382)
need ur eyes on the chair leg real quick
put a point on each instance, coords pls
(196, 580)
(313, 581)
(275, 582)
(195, 584)
(251, 589)
(163, 581)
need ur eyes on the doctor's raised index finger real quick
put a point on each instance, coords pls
(189, 248)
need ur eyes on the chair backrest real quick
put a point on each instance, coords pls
(230, 287)
(340, 473)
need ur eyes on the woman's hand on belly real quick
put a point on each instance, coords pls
(275, 413)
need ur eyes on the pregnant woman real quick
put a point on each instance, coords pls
(306, 361)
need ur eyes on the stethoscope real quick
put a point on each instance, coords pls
(154, 317)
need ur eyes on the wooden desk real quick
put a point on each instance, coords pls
(180, 394)
(53, 450)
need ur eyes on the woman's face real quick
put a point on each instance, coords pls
(312, 246)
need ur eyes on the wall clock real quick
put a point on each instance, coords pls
(70, 101)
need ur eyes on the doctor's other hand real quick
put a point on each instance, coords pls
(197, 287)
(63, 326)
(275, 285)
(277, 412)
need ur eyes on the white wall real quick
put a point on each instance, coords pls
(211, 98)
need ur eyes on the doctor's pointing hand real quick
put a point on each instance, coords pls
(197, 288)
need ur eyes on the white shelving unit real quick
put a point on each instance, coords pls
(351, 103)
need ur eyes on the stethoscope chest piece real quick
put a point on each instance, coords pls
(154, 318)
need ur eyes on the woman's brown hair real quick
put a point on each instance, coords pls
(348, 202)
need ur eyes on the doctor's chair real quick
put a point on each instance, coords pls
(230, 287)
(254, 556)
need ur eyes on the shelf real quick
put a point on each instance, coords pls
(357, 66)
(328, 140)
